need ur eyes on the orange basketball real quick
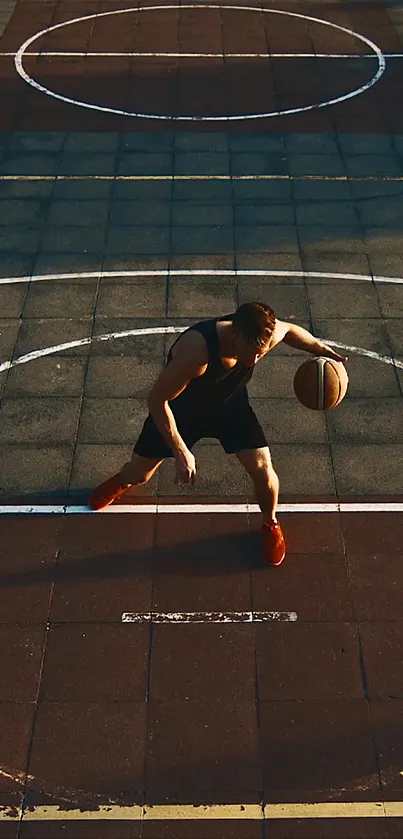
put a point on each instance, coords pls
(320, 383)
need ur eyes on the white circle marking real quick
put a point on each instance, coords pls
(185, 117)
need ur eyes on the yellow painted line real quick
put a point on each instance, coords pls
(211, 812)
(330, 810)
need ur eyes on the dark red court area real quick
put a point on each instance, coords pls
(224, 63)
(96, 711)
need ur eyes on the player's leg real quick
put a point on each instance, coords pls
(135, 472)
(259, 467)
(258, 464)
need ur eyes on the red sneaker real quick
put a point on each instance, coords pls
(273, 544)
(107, 492)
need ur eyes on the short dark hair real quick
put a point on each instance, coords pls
(255, 322)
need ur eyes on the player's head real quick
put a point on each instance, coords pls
(253, 326)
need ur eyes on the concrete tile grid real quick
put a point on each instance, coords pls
(85, 224)
(58, 421)
(260, 724)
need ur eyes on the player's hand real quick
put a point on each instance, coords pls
(185, 467)
(327, 352)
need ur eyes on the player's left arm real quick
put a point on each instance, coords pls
(299, 338)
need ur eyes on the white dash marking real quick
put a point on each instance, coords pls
(208, 617)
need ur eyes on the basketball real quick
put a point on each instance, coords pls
(320, 383)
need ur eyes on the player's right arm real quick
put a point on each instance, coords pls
(189, 361)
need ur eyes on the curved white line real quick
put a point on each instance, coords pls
(201, 272)
(351, 94)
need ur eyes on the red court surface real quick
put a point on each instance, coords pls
(199, 61)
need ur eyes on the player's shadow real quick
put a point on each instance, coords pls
(214, 556)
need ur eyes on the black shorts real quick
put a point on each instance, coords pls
(236, 431)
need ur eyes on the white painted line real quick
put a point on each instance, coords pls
(267, 55)
(210, 812)
(381, 64)
(208, 617)
(206, 509)
(326, 178)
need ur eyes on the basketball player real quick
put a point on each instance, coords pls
(201, 392)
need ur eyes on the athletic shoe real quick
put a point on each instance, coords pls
(107, 492)
(273, 544)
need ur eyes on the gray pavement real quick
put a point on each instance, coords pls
(69, 418)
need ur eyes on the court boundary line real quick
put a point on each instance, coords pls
(196, 509)
(192, 177)
(199, 812)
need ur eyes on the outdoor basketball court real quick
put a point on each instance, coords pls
(161, 163)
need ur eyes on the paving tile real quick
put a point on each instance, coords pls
(147, 141)
(108, 420)
(200, 213)
(367, 421)
(132, 299)
(78, 212)
(218, 474)
(75, 264)
(202, 745)
(86, 164)
(258, 163)
(387, 715)
(375, 585)
(200, 299)
(370, 380)
(390, 301)
(91, 141)
(86, 829)
(84, 190)
(33, 163)
(50, 332)
(12, 300)
(209, 141)
(289, 302)
(380, 240)
(369, 164)
(39, 420)
(34, 468)
(249, 213)
(21, 660)
(322, 190)
(144, 190)
(286, 421)
(140, 239)
(328, 213)
(60, 299)
(47, 141)
(277, 238)
(139, 346)
(326, 828)
(145, 163)
(16, 724)
(207, 239)
(201, 162)
(15, 264)
(121, 377)
(315, 164)
(394, 332)
(336, 262)
(367, 533)
(360, 144)
(354, 468)
(105, 568)
(185, 829)
(273, 379)
(30, 212)
(19, 238)
(202, 661)
(323, 745)
(303, 468)
(89, 663)
(53, 377)
(382, 653)
(9, 830)
(92, 730)
(252, 190)
(331, 238)
(316, 587)
(299, 673)
(73, 239)
(139, 212)
(371, 334)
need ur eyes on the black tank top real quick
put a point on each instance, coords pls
(219, 388)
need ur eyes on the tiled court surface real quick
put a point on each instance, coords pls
(96, 711)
